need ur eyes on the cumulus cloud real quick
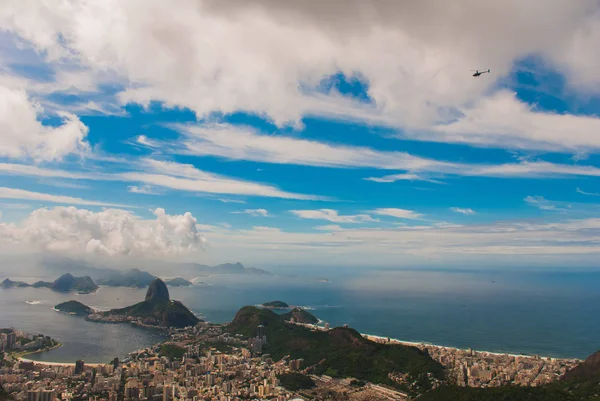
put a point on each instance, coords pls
(23, 135)
(399, 213)
(269, 57)
(111, 232)
(465, 211)
(254, 212)
(333, 216)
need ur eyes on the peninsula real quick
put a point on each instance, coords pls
(157, 310)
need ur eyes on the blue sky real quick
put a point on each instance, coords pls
(187, 134)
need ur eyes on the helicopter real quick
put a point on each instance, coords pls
(478, 73)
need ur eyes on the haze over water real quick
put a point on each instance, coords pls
(549, 314)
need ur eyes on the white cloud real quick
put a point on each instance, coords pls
(227, 200)
(244, 143)
(413, 56)
(143, 189)
(333, 216)
(399, 213)
(254, 212)
(465, 211)
(14, 193)
(22, 135)
(544, 204)
(111, 232)
(402, 177)
(329, 227)
(185, 177)
(587, 193)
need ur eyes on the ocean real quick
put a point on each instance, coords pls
(535, 313)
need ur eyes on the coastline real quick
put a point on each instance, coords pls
(48, 363)
(423, 344)
(37, 351)
(374, 338)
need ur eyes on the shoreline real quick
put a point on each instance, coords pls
(48, 363)
(370, 337)
(422, 344)
(37, 351)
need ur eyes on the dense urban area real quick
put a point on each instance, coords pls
(206, 362)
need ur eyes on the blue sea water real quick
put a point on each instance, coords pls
(549, 314)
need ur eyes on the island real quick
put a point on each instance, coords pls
(65, 283)
(74, 308)
(156, 311)
(179, 282)
(8, 283)
(275, 305)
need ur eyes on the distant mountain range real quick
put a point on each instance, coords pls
(65, 283)
(225, 268)
(132, 278)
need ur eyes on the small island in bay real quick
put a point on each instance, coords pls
(157, 310)
(74, 308)
(179, 282)
(275, 305)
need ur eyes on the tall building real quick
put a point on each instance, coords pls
(79, 366)
(115, 362)
(260, 331)
(11, 340)
(326, 326)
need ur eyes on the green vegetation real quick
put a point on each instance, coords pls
(74, 307)
(276, 305)
(340, 352)
(296, 381)
(171, 351)
(301, 316)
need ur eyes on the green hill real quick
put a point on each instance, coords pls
(300, 316)
(341, 352)
(74, 307)
(275, 305)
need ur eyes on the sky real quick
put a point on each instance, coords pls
(305, 133)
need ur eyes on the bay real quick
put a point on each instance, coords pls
(540, 313)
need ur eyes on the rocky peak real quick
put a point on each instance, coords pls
(157, 292)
